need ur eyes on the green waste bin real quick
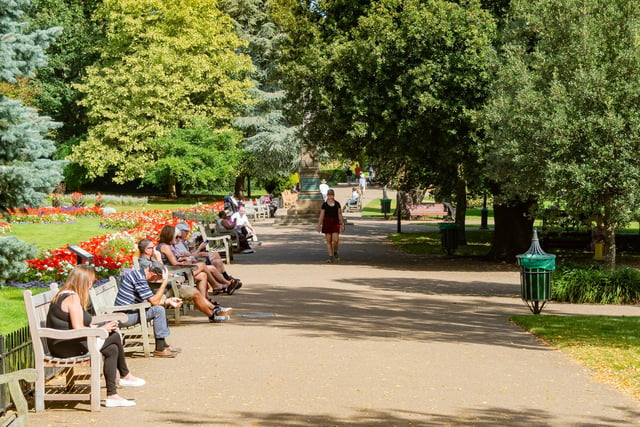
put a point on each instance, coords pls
(536, 275)
(448, 236)
(385, 207)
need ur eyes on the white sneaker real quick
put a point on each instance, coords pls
(249, 251)
(118, 403)
(136, 382)
(218, 319)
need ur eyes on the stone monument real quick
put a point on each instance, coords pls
(310, 200)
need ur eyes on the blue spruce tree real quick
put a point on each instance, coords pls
(27, 173)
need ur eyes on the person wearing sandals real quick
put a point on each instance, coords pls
(331, 223)
(199, 251)
(68, 311)
(211, 309)
(205, 275)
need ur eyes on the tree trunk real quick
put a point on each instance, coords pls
(171, 187)
(461, 210)
(513, 230)
(239, 187)
(609, 236)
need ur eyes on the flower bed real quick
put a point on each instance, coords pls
(52, 215)
(111, 252)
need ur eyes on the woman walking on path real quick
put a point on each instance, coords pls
(331, 223)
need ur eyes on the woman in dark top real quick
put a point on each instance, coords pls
(68, 311)
(331, 223)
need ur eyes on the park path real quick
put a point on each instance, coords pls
(380, 339)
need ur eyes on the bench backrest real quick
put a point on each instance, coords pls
(104, 296)
(37, 307)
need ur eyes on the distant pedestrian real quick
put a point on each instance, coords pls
(362, 183)
(331, 223)
(349, 174)
(324, 187)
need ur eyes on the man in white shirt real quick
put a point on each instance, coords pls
(324, 187)
(242, 223)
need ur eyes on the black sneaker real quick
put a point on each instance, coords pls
(233, 286)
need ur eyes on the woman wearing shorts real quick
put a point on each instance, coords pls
(331, 223)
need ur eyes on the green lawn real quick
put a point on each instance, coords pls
(610, 346)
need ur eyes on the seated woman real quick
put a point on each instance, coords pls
(205, 275)
(68, 311)
(224, 223)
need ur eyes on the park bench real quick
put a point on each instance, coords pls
(428, 209)
(289, 198)
(136, 337)
(37, 307)
(19, 418)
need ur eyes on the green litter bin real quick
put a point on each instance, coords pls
(536, 275)
(448, 236)
(385, 207)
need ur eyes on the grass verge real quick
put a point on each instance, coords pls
(608, 345)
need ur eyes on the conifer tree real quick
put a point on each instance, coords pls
(27, 174)
(270, 140)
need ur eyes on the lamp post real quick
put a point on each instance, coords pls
(484, 214)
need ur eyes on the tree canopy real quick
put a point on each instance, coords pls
(27, 174)
(563, 120)
(398, 81)
(163, 64)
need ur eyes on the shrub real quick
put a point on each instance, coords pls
(594, 285)
(13, 256)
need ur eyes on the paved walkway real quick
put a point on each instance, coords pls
(381, 339)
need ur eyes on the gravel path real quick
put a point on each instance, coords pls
(380, 339)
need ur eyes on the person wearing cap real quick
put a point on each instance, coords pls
(134, 289)
(211, 258)
(331, 223)
(323, 187)
(205, 275)
(211, 309)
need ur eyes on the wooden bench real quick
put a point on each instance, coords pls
(354, 207)
(19, 418)
(289, 198)
(136, 337)
(428, 209)
(37, 307)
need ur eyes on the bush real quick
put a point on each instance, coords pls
(594, 285)
(13, 256)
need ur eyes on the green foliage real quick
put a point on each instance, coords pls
(399, 82)
(26, 173)
(196, 157)
(162, 65)
(596, 286)
(270, 139)
(563, 120)
(13, 254)
(76, 49)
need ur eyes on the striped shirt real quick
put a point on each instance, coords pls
(133, 289)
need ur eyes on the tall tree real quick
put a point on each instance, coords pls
(270, 140)
(563, 120)
(195, 157)
(27, 174)
(398, 80)
(164, 63)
